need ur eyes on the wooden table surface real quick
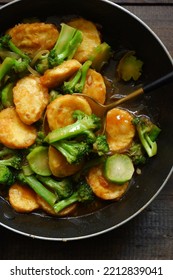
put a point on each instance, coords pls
(147, 236)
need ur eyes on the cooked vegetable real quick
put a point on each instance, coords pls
(53, 156)
(60, 111)
(129, 67)
(85, 125)
(63, 188)
(6, 66)
(118, 168)
(56, 76)
(6, 176)
(100, 145)
(73, 151)
(59, 165)
(6, 42)
(148, 133)
(15, 60)
(38, 187)
(137, 153)
(100, 56)
(82, 194)
(38, 161)
(67, 43)
(7, 95)
(10, 64)
(10, 158)
(101, 187)
(77, 83)
(91, 38)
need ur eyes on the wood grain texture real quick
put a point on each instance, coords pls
(134, 2)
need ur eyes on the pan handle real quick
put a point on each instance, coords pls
(168, 78)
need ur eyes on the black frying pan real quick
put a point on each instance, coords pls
(120, 28)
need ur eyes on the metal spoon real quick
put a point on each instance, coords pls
(103, 109)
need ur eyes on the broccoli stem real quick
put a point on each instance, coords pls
(14, 161)
(148, 144)
(148, 133)
(82, 194)
(6, 66)
(78, 82)
(7, 95)
(6, 42)
(73, 151)
(62, 188)
(66, 45)
(100, 56)
(66, 202)
(43, 192)
(84, 125)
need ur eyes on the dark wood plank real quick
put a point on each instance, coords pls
(143, 2)
(136, 2)
(159, 19)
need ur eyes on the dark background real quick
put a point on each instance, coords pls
(147, 236)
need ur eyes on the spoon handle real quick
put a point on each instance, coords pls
(168, 78)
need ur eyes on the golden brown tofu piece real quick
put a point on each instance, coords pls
(13, 132)
(56, 76)
(102, 188)
(91, 38)
(95, 87)
(22, 198)
(60, 111)
(30, 99)
(33, 37)
(49, 210)
(119, 129)
(59, 166)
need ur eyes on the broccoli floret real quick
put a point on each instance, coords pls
(63, 188)
(68, 41)
(11, 64)
(100, 145)
(73, 151)
(82, 194)
(148, 133)
(85, 125)
(66, 45)
(42, 63)
(100, 56)
(53, 94)
(6, 42)
(15, 60)
(7, 95)
(129, 67)
(39, 188)
(6, 176)
(137, 153)
(10, 158)
(6, 66)
(77, 83)
(6, 152)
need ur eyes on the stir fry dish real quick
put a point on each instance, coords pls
(55, 155)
